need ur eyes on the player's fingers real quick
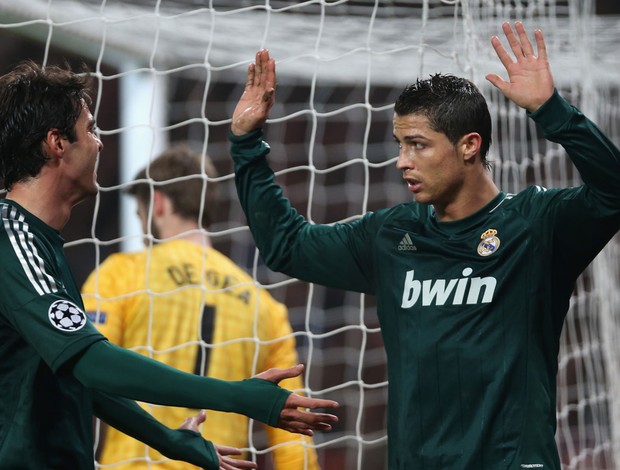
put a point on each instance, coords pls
(270, 74)
(299, 427)
(497, 81)
(250, 80)
(525, 44)
(540, 44)
(276, 375)
(262, 68)
(232, 464)
(295, 426)
(227, 450)
(257, 69)
(300, 418)
(512, 39)
(201, 417)
(193, 422)
(501, 52)
(299, 401)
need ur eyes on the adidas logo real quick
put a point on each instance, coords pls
(406, 244)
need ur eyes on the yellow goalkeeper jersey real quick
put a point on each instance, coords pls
(191, 307)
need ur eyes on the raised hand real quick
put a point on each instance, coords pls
(530, 82)
(258, 97)
(297, 420)
(226, 463)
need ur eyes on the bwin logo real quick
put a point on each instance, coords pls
(448, 291)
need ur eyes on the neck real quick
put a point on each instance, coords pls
(468, 201)
(44, 201)
(176, 228)
(199, 238)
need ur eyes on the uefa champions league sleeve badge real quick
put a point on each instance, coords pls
(489, 244)
(66, 316)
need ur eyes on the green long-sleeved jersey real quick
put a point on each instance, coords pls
(471, 311)
(56, 369)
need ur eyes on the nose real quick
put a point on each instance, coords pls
(402, 162)
(99, 144)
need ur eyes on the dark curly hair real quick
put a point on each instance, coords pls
(34, 100)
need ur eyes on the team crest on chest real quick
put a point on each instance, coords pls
(489, 244)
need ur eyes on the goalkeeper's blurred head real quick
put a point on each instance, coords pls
(186, 178)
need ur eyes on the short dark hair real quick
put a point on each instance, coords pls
(167, 172)
(453, 106)
(34, 100)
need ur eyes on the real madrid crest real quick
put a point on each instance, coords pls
(489, 244)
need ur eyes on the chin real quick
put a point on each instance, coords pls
(87, 193)
(420, 199)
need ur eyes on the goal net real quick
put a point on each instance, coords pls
(172, 70)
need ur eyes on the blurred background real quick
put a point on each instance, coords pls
(172, 71)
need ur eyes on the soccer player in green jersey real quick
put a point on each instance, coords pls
(472, 283)
(56, 368)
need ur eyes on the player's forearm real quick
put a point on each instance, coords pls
(286, 241)
(126, 416)
(117, 371)
(594, 155)
(272, 220)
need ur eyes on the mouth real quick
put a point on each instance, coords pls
(413, 185)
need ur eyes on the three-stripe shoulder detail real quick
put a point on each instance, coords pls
(22, 241)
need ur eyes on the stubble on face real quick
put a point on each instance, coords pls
(82, 156)
(430, 163)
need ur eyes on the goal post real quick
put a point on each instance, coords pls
(341, 64)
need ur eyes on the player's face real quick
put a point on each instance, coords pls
(431, 164)
(81, 155)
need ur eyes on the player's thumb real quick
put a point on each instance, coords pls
(293, 371)
(497, 81)
(201, 417)
(283, 374)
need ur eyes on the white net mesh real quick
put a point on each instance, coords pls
(341, 65)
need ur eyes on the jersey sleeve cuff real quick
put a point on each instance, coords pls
(189, 446)
(553, 114)
(248, 147)
(263, 400)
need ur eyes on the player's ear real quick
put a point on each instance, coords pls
(162, 204)
(159, 203)
(53, 144)
(469, 146)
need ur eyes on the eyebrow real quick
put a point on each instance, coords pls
(410, 138)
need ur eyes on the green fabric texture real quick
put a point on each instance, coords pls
(177, 444)
(140, 378)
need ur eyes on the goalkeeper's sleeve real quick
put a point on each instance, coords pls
(177, 444)
(117, 371)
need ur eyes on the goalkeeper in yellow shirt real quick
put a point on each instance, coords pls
(183, 303)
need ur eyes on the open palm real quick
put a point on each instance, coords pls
(258, 97)
(530, 82)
